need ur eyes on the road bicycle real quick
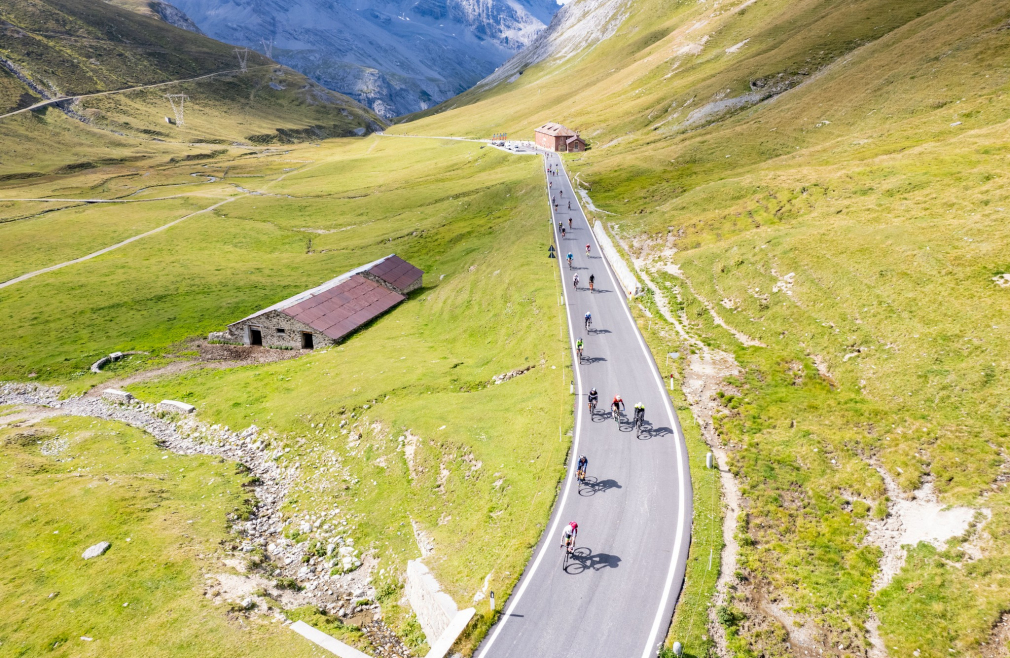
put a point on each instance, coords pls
(568, 549)
(639, 421)
(579, 350)
(569, 262)
(616, 413)
(592, 408)
(589, 323)
(581, 476)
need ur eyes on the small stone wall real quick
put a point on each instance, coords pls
(434, 608)
(269, 323)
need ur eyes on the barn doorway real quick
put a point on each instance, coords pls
(255, 337)
(306, 340)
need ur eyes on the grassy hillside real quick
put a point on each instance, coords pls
(825, 179)
(484, 460)
(58, 48)
(164, 516)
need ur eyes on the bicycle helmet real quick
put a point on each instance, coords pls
(573, 525)
(592, 390)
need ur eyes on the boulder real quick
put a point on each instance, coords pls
(115, 395)
(176, 407)
(96, 550)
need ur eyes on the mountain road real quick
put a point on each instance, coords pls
(616, 596)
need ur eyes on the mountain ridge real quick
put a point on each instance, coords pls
(395, 56)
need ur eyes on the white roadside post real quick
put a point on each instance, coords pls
(492, 602)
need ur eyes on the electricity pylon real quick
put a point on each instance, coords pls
(243, 55)
(177, 101)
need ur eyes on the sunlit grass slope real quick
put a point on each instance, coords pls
(829, 178)
(485, 458)
(70, 483)
(78, 47)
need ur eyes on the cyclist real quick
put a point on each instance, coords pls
(569, 219)
(562, 231)
(569, 207)
(561, 192)
(589, 319)
(587, 248)
(594, 397)
(568, 536)
(592, 279)
(559, 226)
(583, 464)
(639, 414)
(550, 185)
(578, 349)
(617, 406)
(575, 281)
(570, 260)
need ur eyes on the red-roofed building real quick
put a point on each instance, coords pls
(329, 312)
(555, 137)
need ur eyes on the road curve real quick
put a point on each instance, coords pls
(616, 599)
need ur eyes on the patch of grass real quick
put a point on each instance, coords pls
(165, 519)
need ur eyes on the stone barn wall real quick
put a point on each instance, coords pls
(269, 324)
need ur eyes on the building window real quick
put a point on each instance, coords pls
(280, 330)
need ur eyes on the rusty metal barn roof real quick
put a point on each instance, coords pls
(396, 272)
(341, 305)
(555, 129)
(343, 308)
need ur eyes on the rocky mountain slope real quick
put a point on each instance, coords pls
(394, 56)
(88, 52)
(813, 193)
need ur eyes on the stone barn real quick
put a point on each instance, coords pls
(555, 137)
(329, 312)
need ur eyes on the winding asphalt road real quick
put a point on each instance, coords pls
(616, 599)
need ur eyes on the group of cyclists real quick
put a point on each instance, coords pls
(571, 530)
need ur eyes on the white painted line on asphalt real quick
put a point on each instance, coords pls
(652, 644)
(328, 642)
(514, 601)
(449, 635)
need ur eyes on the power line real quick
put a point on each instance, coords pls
(177, 101)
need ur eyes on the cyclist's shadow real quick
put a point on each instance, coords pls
(583, 559)
(592, 486)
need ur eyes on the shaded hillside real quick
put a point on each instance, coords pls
(55, 49)
(816, 190)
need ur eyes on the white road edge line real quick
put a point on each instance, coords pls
(571, 463)
(652, 645)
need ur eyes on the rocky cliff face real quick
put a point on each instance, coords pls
(395, 56)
